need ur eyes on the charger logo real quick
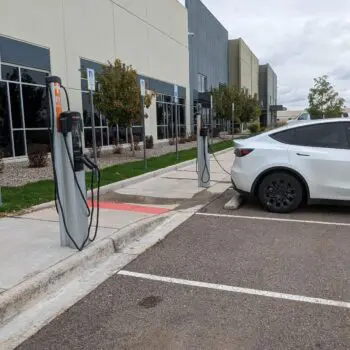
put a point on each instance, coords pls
(58, 102)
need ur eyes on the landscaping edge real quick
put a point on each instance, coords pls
(127, 182)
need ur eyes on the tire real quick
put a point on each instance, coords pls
(280, 192)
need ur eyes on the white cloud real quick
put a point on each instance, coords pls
(300, 39)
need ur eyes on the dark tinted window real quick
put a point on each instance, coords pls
(33, 77)
(84, 85)
(87, 111)
(5, 134)
(23, 54)
(35, 107)
(18, 137)
(286, 136)
(328, 135)
(16, 111)
(9, 73)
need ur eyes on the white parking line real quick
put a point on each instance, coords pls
(275, 219)
(238, 290)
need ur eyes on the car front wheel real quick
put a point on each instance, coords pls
(280, 192)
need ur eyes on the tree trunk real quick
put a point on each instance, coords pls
(132, 142)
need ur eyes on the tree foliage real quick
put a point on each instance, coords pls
(324, 101)
(247, 107)
(118, 97)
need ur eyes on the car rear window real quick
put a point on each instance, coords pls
(286, 136)
(327, 135)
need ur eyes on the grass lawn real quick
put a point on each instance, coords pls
(19, 198)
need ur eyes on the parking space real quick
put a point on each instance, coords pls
(252, 208)
(129, 313)
(244, 279)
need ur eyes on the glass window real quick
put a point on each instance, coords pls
(182, 132)
(16, 105)
(88, 137)
(35, 106)
(41, 137)
(123, 134)
(24, 54)
(137, 131)
(286, 136)
(182, 114)
(161, 132)
(326, 135)
(5, 131)
(33, 76)
(303, 116)
(9, 73)
(87, 111)
(105, 137)
(159, 113)
(84, 85)
(18, 137)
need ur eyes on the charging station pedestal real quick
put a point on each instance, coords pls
(69, 173)
(202, 152)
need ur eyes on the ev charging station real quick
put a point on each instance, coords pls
(68, 160)
(202, 151)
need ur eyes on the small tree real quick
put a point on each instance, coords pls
(324, 101)
(118, 97)
(251, 110)
(246, 106)
(223, 97)
(148, 100)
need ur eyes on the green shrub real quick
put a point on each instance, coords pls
(38, 155)
(254, 128)
(149, 142)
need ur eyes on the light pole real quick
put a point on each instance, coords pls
(233, 119)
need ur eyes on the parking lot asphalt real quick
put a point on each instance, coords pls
(223, 280)
(340, 214)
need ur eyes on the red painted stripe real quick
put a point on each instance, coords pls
(130, 207)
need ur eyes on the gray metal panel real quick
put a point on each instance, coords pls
(208, 47)
(267, 90)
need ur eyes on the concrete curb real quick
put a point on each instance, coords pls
(124, 183)
(27, 293)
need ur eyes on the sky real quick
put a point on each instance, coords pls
(301, 40)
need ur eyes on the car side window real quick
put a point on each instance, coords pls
(303, 116)
(327, 135)
(286, 136)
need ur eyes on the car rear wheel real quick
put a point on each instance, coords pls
(280, 192)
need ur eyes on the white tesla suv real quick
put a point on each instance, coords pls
(299, 162)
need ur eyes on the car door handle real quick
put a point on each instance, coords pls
(303, 155)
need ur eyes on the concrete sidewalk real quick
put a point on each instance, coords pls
(30, 249)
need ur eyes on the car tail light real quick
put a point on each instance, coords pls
(241, 152)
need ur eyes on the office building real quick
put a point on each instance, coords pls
(208, 50)
(267, 94)
(64, 38)
(243, 67)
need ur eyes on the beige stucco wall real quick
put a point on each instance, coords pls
(152, 35)
(243, 66)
